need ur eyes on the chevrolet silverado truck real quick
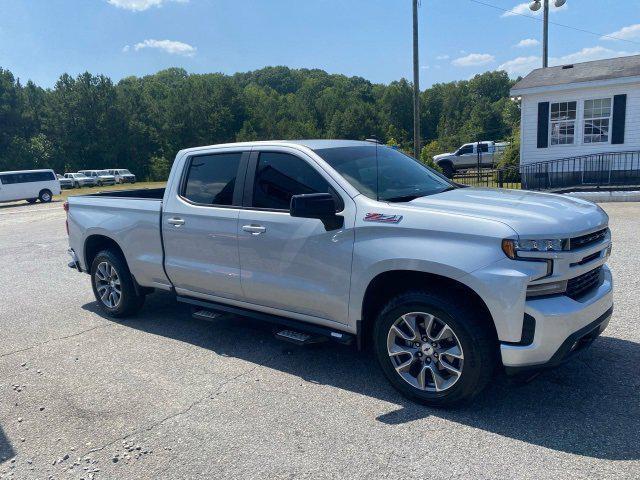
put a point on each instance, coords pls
(358, 243)
(467, 156)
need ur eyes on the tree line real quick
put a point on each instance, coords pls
(89, 121)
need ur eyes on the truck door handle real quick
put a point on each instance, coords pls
(176, 221)
(254, 229)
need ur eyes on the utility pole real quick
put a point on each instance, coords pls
(535, 6)
(416, 85)
(545, 35)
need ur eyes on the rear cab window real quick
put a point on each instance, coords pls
(211, 179)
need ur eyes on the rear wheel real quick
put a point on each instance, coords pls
(45, 196)
(113, 285)
(434, 349)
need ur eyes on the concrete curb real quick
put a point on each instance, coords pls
(614, 196)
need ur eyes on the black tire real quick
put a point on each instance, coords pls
(472, 332)
(99, 184)
(32, 200)
(45, 196)
(448, 170)
(130, 301)
(76, 185)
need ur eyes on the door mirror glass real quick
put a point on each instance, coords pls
(316, 205)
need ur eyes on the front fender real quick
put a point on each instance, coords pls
(438, 253)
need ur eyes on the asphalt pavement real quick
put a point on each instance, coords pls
(163, 395)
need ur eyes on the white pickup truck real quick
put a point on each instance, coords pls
(356, 242)
(467, 157)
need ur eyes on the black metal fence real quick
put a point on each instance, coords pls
(595, 171)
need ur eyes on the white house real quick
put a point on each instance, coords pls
(587, 113)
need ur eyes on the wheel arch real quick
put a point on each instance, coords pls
(387, 284)
(97, 242)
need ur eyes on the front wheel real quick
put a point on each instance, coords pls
(434, 349)
(448, 170)
(45, 196)
(113, 285)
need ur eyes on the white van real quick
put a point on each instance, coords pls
(29, 185)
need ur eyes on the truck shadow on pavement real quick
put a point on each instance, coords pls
(589, 406)
(6, 450)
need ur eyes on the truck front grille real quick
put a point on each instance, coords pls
(588, 239)
(584, 283)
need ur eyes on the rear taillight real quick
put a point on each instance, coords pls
(65, 205)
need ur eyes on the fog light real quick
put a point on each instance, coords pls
(550, 288)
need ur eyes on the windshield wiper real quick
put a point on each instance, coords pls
(413, 196)
(405, 198)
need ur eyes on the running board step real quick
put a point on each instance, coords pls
(214, 310)
(299, 338)
(205, 315)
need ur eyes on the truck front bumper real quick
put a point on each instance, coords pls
(562, 326)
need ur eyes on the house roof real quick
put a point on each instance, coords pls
(598, 70)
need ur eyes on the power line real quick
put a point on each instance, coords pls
(554, 23)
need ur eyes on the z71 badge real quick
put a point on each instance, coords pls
(382, 218)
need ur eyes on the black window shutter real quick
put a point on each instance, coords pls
(543, 124)
(619, 116)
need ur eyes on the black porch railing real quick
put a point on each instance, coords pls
(594, 171)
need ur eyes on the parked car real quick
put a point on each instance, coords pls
(64, 182)
(122, 175)
(81, 180)
(356, 242)
(29, 185)
(102, 177)
(467, 157)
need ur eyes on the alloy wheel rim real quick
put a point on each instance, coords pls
(425, 352)
(108, 285)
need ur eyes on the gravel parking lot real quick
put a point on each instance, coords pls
(166, 396)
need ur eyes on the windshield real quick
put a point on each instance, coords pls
(125, 172)
(391, 177)
(103, 172)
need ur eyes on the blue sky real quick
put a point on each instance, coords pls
(41, 39)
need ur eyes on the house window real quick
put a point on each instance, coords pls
(597, 118)
(563, 123)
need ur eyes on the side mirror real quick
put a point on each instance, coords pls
(317, 205)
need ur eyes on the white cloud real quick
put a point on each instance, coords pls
(473, 60)
(140, 5)
(126, 48)
(443, 57)
(527, 42)
(523, 9)
(523, 65)
(520, 66)
(625, 33)
(168, 46)
(588, 54)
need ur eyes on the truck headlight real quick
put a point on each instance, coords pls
(511, 247)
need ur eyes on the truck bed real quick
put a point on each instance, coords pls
(142, 193)
(131, 219)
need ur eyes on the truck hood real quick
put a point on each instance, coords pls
(528, 213)
(442, 155)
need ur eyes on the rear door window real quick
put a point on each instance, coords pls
(211, 179)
